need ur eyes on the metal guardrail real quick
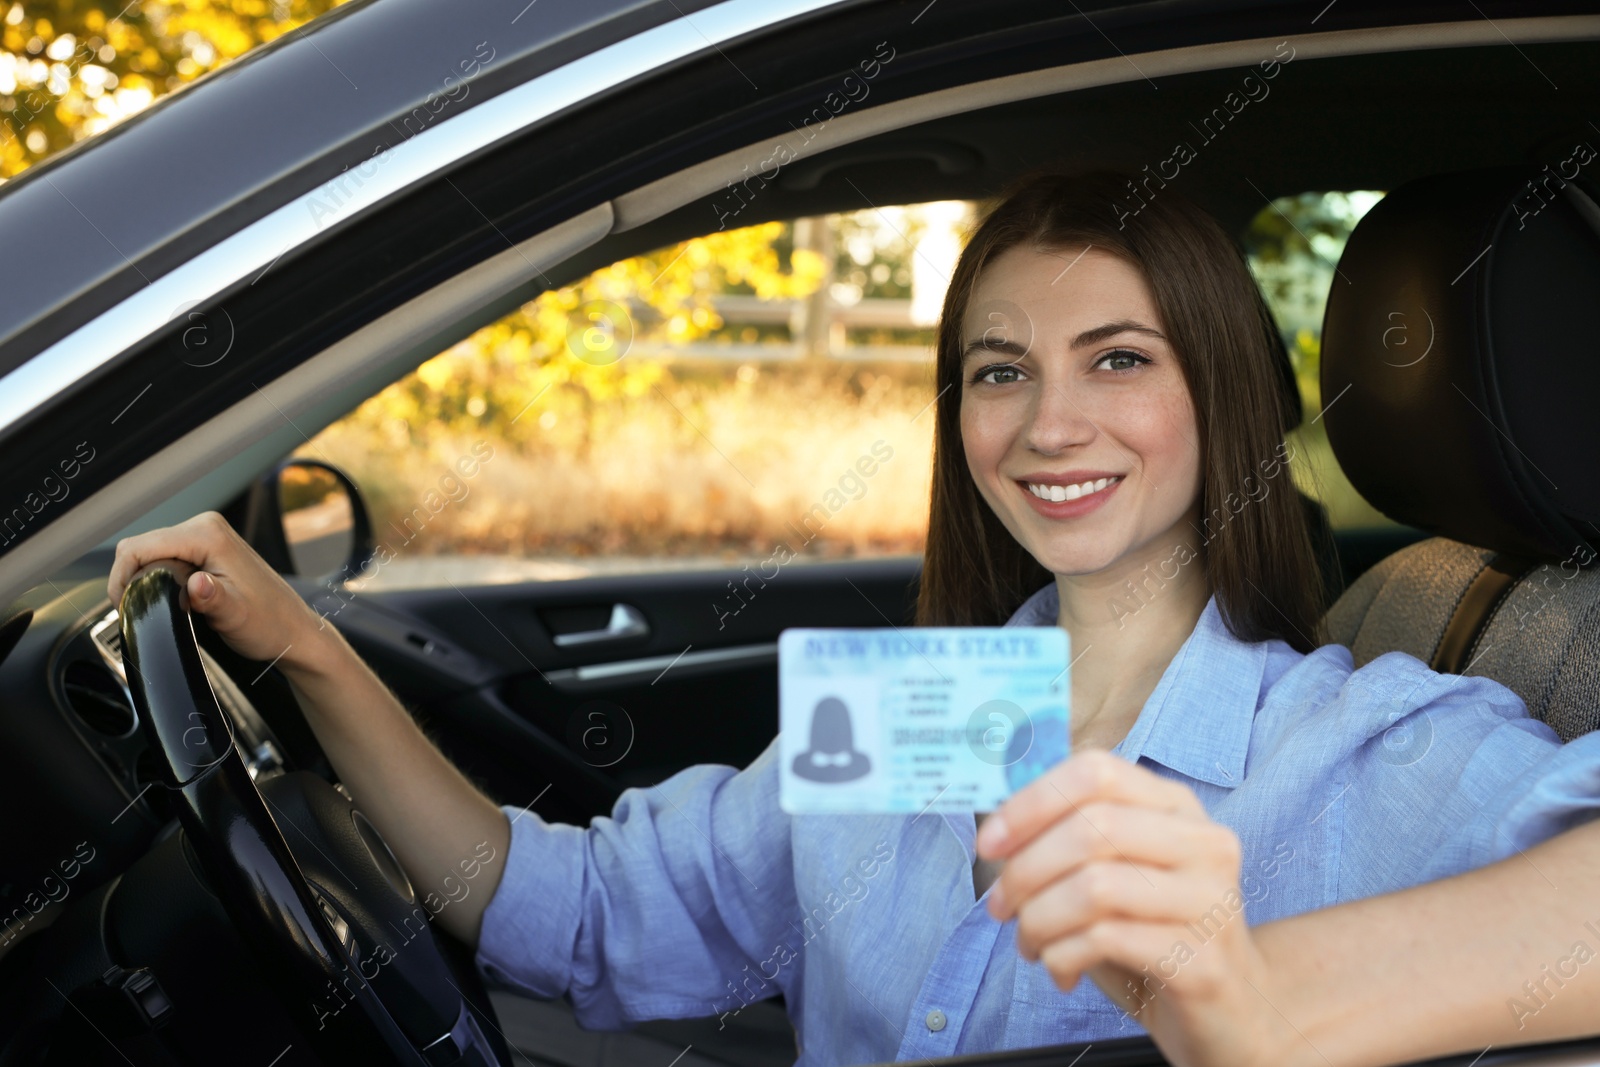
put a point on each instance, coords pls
(780, 353)
(753, 311)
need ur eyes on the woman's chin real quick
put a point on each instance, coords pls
(1073, 562)
(1111, 551)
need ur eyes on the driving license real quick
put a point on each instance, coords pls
(926, 719)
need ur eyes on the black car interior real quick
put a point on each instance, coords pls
(1483, 447)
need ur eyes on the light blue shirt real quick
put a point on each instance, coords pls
(699, 895)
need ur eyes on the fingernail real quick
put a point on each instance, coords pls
(997, 900)
(205, 586)
(992, 834)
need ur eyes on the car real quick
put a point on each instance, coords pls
(217, 279)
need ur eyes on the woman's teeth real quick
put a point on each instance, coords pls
(1059, 493)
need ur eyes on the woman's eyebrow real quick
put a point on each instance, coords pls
(1111, 329)
(994, 344)
(1093, 336)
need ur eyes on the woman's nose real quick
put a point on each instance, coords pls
(1058, 420)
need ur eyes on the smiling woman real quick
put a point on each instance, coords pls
(1068, 357)
(1187, 322)
(1100, 390)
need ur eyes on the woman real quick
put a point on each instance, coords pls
(1109, 457)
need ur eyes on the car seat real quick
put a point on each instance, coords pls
(1460, 384)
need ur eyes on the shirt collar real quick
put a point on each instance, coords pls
(1199, 718)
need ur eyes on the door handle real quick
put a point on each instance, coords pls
(626, 622)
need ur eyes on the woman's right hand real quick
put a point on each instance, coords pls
(245, 601)
(1116, 872)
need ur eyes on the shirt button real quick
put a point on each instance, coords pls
(935, 1020)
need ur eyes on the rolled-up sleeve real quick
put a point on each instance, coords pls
(653, 912)
(1447, 773)
(1554, 794)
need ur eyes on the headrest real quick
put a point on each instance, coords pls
(1461, 359)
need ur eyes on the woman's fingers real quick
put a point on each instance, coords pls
(216, 594)
(1087, 776)
(1109, 833)
(241, 598)
(198, 540)
(1117, 873)
(206, 540)
(1146, 955)
(1108, 892)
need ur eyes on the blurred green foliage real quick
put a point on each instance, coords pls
(1293, 247)
(70, 68)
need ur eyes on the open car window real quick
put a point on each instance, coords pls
(735, 399)
(713, 401)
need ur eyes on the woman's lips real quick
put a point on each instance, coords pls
(1099, 491)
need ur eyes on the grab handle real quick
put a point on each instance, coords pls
(626, 621)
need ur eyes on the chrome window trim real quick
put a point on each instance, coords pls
(267, 423)
(257, 246)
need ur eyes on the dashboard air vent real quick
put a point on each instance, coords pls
(96, 696)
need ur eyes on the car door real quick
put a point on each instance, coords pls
(561, 694)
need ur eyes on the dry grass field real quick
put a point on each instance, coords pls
(713, 461)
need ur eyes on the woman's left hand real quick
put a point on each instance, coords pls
(1115, 872)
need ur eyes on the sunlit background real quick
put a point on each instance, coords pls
(688, 406)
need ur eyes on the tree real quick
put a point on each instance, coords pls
(1293, 246)
(71, 69)
(578, 336)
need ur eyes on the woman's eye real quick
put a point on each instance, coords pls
(1121, 360)
(998, 374)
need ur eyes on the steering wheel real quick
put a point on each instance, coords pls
(341, 938)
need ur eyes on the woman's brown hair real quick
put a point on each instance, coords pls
(1257, 549)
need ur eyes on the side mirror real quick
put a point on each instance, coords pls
(307, 518)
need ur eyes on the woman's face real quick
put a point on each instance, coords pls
(1076, 420)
